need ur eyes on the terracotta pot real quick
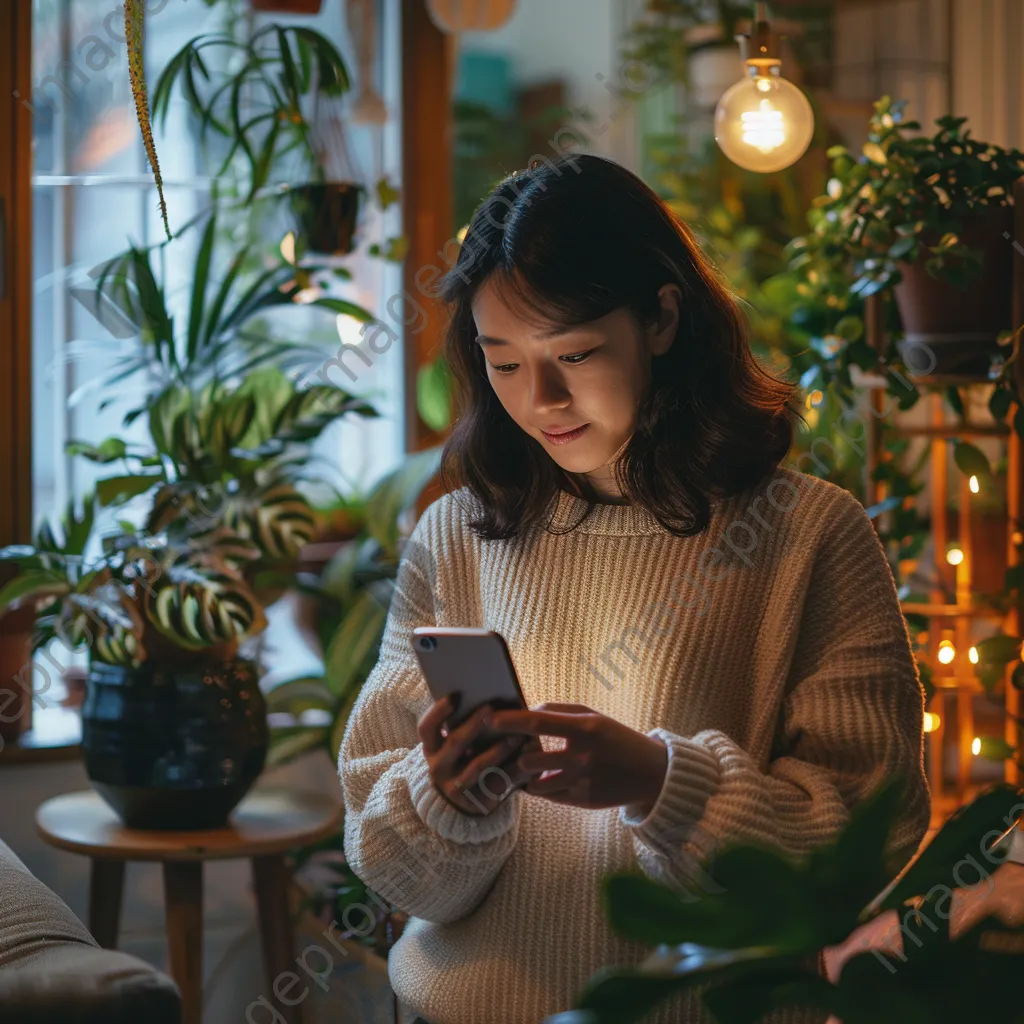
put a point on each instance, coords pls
(951, 330)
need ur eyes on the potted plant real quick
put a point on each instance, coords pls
(267, 107)
(174, 726)
(752, 943)
(928, 216)
(174, 723)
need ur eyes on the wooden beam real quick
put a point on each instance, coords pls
(15, 345)
(427, 65)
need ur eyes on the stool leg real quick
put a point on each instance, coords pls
(183, 899)
(106, 883)
(270, 877)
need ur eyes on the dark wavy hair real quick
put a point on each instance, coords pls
(573, 239)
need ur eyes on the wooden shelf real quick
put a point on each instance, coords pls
(952, 611)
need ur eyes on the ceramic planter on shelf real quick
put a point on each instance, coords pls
(957, 328)
(174, 747)
(327, 215)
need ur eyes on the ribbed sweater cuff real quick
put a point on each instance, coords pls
(691, 779)
(445, 818)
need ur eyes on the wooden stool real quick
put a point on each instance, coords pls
(262, 827)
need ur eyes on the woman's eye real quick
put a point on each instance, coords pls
(578, 358)
(572, 360)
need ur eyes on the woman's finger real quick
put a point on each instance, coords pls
(550, 761)
(429, 727)
(461, 737)
(542, 723)
(490, 758)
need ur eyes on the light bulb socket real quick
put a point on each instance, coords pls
(759, 48)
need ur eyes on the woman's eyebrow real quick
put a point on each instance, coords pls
(552, 332)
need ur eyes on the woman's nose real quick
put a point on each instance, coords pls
(548, 390)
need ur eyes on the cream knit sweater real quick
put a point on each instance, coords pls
(769, 653)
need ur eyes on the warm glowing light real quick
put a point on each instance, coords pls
(946, 652)
(763, 123)
(974, 485)
(972, 655)
(931, 722)
(288, 247)
(954, 556)
(976, 746)
(815, 398)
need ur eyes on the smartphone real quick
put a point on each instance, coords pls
(474, 667)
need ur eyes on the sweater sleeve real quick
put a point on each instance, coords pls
(402, 838)
(852, 716)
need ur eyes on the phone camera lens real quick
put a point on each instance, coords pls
(427, 643)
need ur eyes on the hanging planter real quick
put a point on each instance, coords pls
(287, 6)
(327, 216)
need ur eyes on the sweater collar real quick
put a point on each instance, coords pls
(614, 520)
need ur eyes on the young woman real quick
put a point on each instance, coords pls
(710, 644)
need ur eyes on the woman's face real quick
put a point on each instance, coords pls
(592, 377)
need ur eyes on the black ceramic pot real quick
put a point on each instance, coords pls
(172, 747)
(327, 215)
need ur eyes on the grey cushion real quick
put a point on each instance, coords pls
(53, 972)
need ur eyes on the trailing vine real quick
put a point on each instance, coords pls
(133, 15)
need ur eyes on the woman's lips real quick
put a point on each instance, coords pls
(565, 438)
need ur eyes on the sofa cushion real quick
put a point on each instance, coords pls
(52, 971)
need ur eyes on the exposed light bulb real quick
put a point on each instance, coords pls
(974, 485)
(763, 122)
(931, 722)
(954, 556)
(946, 652)
(976, 746)
(972, 655)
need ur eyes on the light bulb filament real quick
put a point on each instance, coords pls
(764, 128)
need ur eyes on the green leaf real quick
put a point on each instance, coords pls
(434, 394)
(961, 835)
(109, 450)
(971, 460)
(397, 492)
(1000, 649)
(297, 695)
(999, 404)
(351, 309)
(116, 490)
(287, 745)
(32, 585)
(358, 634)
(200, 276)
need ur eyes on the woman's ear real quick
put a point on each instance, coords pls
(662, 332)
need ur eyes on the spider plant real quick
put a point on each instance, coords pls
(257, 108)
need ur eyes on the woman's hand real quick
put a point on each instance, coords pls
(603, 764)
(457, 758)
